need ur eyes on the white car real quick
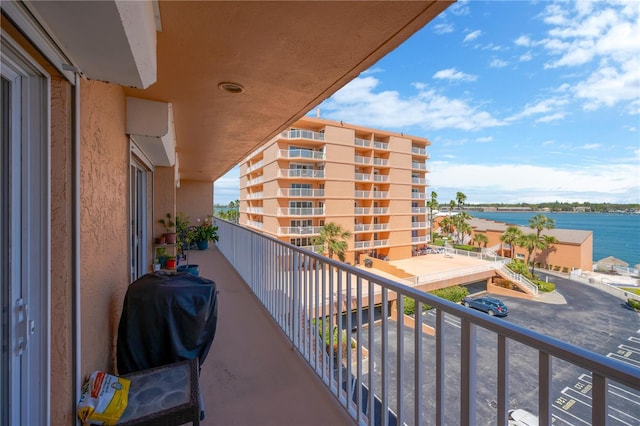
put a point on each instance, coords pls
(522, 417)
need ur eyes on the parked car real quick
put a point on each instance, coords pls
(522, 417)
(490, 305)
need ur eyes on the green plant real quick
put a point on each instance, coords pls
(545, 286)
(633, 304)
(331, 337)
(565, 270)
(205, 232)
(632, 290)
(168, 223)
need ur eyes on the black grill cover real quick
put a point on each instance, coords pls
(166, 318)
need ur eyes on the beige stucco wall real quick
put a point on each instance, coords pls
(104, 218)
(195, 199)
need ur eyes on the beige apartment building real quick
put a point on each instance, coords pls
(370, 182)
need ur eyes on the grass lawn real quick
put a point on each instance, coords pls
(631, 290)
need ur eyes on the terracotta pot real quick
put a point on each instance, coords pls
(161, 240)
(170, 237)
(171, 263)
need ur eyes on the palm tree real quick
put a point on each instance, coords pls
(447, 225)
(532, 242)
(510, 237)
(433, 205)
(460, 198)
(540, 222)
(480, 239)
(461, 225)
(332, 238)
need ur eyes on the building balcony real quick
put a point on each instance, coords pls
(255, 166)
(418, 196)
(419, 210)
(361, 142)
(255, 210)
(380, 243)
(380, 161)
(380, 226)
(418, 181)
(362, 176)
(380, 210)
(380, 178)
(419, 166)
(299, 230)
(301, 173)
(361, 227)
(255, 195)
(448, 374)
(419, 224)
(361, 210)
(380, 194)
(301, 211)
(362, 194)
(422, 239)
(255, 224)
(361, 160)
(300, 192)
(302, 153)
(418, 151)
(380, 145)
(302, 134)
(255, 181)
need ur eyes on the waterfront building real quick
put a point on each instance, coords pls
(574, 249)
(371, 182)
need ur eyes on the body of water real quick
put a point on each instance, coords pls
(615, 235)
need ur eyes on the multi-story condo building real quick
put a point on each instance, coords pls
(370, 182)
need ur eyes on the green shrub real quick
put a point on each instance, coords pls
(631, 290)
(409, 306)
(464, 247)
(556, 268)
(454, 294)
(565, 270)
(545, 286)
(634, 304)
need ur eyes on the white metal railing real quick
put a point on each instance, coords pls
(362, 176)
(418, 195)
(361, 227)
(419, 224)
(255, 195)
(301, 153)
(379, 243)
(380, 145)
(308, 173)
(254, 166)
(254, 181)
(361, 244)
(361, 210)
(362, 194)
(299, 230)
(380, 226)
(380, 194)
(380, 161)
(419, 210)
(255, 224)
(420, 166)
(300, 192)
(301, 211)
(361, 160)
(361, 142)
(422, 239)
(396, 374)
(533, 289)
(302, 134)
(380, 210)
(380, 178)
(255, 210)
(418, 151)
(418, 181)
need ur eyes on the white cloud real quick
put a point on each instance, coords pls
(472, 36)
(498, 63)
(591, 146)
(485, 139)
(459, 8)
(523, 41)
(531, 183)
(359, 102)
(453, 74)
(547, 106)
(227, 188)
(551, 117)
(526, 57)
(443, 28)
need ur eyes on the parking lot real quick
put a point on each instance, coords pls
(590, 319)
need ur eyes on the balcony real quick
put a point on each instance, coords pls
(255, 181)
(361, 142)
(419, 166)
(380, 178)
(361, 227)
(361, 210)
(447, 376)
(418, 210)
(255, 195)
(255, 224)
(302, 153)
(304, 173)
(380, 161)
(299, 230)
(380, 243)
(380, 194)
(302, 211)
(418, 151)
(380, 145)
(362, 194)
(361, 160)
(300, 192)
(418, 196)
(302, 134)
(380, 210)
(255, 210)
(361, 244)
(418, 181)
(362, 176)
(380, 226)
(419, 224)
(254, 166)
(417, 240)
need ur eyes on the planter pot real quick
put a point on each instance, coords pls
(192, 269)
(161, 240)
(170, 237)
(156, 267)
(203, 245)
(171, 263)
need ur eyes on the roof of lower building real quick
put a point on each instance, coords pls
(567, 236)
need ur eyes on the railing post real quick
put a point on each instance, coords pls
(467, 373)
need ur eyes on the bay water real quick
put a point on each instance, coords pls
(616, 235)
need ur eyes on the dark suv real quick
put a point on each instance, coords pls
(490, 305)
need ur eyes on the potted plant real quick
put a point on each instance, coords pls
(170, 262)
(156, 264)
(169, 228)
(202, 234)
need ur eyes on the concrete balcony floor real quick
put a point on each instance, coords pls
(252, 376)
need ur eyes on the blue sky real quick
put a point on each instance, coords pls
(523, 101)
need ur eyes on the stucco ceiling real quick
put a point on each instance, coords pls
(288, 56)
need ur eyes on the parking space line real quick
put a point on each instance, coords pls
(575, 417)
(630, 348)
(615, 390)
(555, 417)
(634, 339)
(629, 361)
(568, 392)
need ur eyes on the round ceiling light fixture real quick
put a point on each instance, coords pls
(230, 87)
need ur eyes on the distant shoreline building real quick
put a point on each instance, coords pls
(370, 182)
